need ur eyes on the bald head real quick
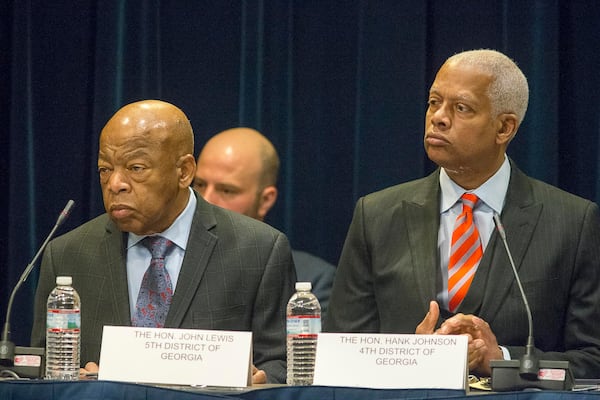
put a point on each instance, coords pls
(157, 120)
(247, 147)
(237, 169)
(146, 164)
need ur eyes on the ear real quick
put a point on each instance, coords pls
(186, 169)
(268, 197)
(507, 128)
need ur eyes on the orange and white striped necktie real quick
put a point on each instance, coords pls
(465, 253)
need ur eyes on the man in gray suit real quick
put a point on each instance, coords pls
(228, 271)
(394, 274)
(237, 169)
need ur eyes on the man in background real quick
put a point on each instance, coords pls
(430, 246)
(221, 270)
(237, 169)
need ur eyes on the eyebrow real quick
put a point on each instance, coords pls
(460, 97)
(218, 185)
(221, 185)
(127, 156)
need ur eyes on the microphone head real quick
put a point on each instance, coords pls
(499, 226)
(65, 212)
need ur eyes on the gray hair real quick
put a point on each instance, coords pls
(509, 91)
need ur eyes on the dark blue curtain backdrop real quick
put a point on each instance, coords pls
(340, 87)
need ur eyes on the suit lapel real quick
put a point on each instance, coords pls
(422, 221)
(113, 245)
(520, 217)
(200, 246)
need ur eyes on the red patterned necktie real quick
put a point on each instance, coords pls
(156, 290)
(465, 253)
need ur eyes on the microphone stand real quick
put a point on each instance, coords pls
(528, 372)
(7, 347)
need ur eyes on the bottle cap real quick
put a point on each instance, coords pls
(64, 280)
(303, 285)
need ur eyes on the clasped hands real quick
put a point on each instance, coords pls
(482, 344)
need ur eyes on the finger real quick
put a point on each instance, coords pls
(457, 325)
(480, 324)
(258, 376)
(91, 367)
(90, 371)
(427, 326)
(475, 354)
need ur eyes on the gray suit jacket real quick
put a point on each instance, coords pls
(237, 274)
(389, 269)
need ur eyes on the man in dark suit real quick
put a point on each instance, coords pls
(228, 271)
(397, 269)
(237, 169)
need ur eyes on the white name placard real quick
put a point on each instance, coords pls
(386, 361)
(176, 356)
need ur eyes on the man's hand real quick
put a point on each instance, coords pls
(482, 346)
(258, 376)
(90, 371)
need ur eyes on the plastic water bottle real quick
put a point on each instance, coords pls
(63, 330)
(303, 327)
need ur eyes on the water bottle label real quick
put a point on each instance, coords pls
(58, 320)
(303, 325)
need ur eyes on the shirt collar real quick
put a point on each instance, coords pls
(492, 192)
(179, 231)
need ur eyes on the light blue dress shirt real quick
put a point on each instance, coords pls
(138, 256)
(491, 194)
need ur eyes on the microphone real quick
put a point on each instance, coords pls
(529, 366)
(532, 373)
(7, 348)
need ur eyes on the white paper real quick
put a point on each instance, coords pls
(176, 356)
(389, 361)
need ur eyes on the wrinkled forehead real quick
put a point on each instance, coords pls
(126, 141)
(153, 125)
(462, 77)
(133, 133)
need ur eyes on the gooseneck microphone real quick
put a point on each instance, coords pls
(529, 364)
(532, 373)
(7, 348)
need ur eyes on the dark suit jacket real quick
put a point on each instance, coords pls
(237, 274)
(310, 268)
(389, 269)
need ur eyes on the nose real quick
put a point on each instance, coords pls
(439, 117)
(118, 182)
